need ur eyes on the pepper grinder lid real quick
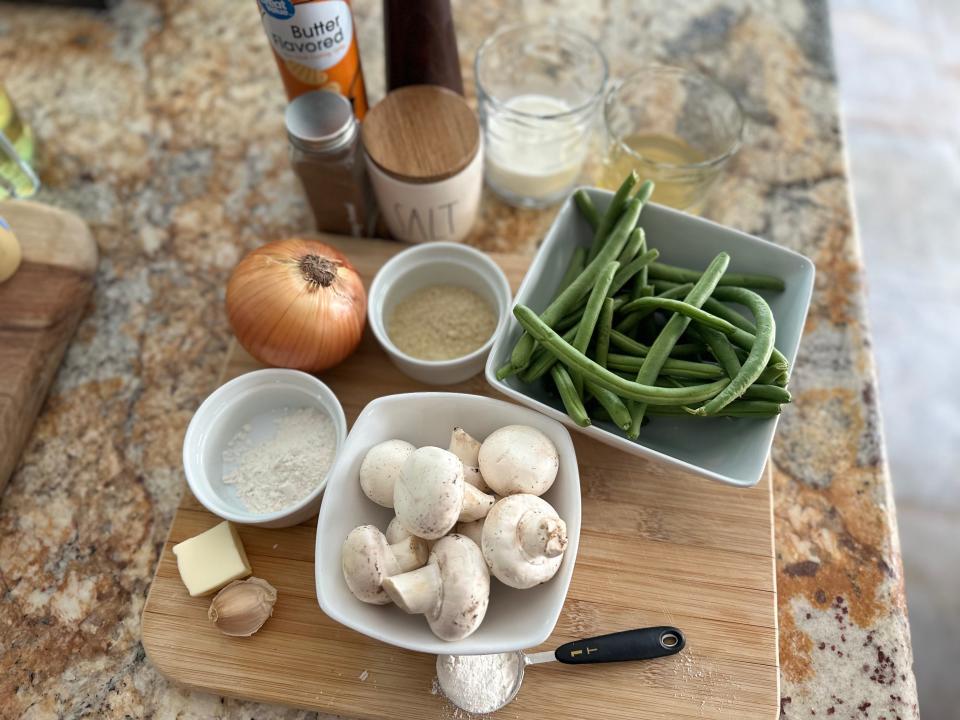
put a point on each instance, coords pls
(421, 133)
(320, 120)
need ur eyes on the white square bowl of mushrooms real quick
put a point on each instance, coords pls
(450, 524)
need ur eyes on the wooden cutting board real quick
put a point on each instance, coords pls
(40, 307)
(657, 548)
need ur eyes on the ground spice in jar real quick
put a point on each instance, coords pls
(441, 322)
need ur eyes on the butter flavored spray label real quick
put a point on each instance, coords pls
(315, 34)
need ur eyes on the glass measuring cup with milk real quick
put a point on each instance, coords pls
(539, 88)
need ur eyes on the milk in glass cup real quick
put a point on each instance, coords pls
(539, 89)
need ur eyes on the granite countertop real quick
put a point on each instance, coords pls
(162, 126)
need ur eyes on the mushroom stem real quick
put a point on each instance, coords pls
(416, 592)
(476, 504)
(410, 553)
(541, 535)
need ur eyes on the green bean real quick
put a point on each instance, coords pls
(599, 293)
(611, 402)
(772, 393)
(616, 361)
(506, 370)
(587, 209)
(632, 268)
(569, 396)
(722, 350)
(740, 337)
(588, 322)
(604, 330)
(593, 372)
(522, 351)
(716, 307)
(640, 279)
(660, 350)
(610, 218)
(632, 248)
(759, 355)
(630, 321)
(645, 191)
(773, 376)
(543, 360)
(660, 271)
(757, 306)
(577, 262)
(635, 347)
(741, 408)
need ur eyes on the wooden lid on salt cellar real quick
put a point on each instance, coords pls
(421, 134)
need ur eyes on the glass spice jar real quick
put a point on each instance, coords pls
(327, 156)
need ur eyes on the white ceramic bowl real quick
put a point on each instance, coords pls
(253, 398)
(733, 451)
(516, 619)
(430, 264)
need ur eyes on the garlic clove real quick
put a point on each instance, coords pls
(242, 607)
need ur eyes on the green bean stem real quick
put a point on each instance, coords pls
(569, 396)
(522, 351)
(661, 271)
(587, 209)
(660, 350)
(593, 372)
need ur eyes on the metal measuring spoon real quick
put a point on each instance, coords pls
(639, 644)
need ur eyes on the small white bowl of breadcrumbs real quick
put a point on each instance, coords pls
(436, 308)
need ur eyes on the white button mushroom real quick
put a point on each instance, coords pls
(518, 459)
(381, 468)
(367, 559)
(473, 530)
(396, 532)
(523, 541)
(452, 590)
(431, 495)
(467, 448)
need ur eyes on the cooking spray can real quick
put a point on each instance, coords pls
(315, 45)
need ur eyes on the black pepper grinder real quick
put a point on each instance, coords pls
(421, 44)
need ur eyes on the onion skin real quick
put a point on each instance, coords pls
(297, 303)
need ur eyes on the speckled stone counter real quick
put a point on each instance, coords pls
(162, 126)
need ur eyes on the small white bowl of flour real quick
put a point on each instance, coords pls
(260, 447)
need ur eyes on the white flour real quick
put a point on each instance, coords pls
(478, 683)
(277, 473)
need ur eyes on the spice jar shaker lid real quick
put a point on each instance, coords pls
(421, 133)
(320, 120)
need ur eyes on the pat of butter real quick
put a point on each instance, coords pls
(212, 559)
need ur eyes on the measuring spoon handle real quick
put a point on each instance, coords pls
(639, 644)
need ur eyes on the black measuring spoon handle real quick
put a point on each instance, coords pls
(639, 644)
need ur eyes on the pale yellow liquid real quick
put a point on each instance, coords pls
(13, 180)
(671, 163)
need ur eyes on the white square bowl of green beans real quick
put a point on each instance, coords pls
(716, 376)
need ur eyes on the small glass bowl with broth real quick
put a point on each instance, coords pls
(435, 309)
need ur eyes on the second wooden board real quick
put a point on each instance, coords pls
(657, 548)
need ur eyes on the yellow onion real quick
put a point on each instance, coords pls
(297, 303)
